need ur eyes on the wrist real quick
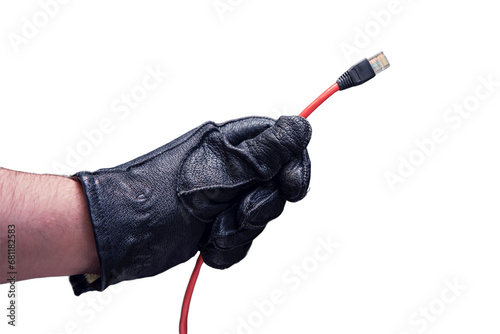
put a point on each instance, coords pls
(53, 230)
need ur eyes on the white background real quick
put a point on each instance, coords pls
(397, 249)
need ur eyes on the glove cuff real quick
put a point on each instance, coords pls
(91, 282)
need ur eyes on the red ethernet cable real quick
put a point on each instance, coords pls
(356, 75)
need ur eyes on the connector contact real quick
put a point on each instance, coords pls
(379, 62)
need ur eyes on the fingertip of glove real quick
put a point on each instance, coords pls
(208, 261)
(299, 128)
(220, 259)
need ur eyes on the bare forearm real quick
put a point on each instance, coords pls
(52, 225)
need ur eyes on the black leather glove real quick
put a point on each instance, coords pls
(213, 189)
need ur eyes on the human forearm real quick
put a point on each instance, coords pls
(53, 230)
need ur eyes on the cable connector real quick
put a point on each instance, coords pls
(363, 71)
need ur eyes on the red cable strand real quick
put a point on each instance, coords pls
(322, 98)
(188, 294)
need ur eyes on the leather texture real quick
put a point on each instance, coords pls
(212, 190)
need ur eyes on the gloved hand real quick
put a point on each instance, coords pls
(213, 189)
